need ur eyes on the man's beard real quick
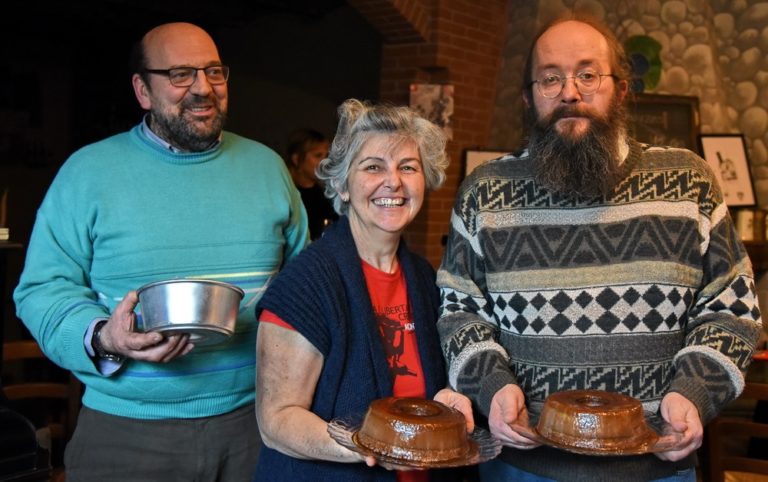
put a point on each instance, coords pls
(184, 134)
(586, 166)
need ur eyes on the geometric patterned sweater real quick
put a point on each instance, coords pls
(645, 291)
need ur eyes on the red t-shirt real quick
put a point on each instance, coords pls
(389, 298)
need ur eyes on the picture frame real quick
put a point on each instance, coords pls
(435, 103)
(665, 120)
(727, 155)
(475, 157)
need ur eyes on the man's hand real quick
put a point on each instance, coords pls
(684, 418)
(507, 410)
(117, 336)
(459, 402)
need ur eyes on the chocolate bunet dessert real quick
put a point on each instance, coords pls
(595, 420)
(414, 429)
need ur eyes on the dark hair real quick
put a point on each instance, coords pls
(301, 140)
(619, 61)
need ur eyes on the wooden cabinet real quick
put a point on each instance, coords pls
(758, 254)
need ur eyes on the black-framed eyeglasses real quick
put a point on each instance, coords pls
(587, 83)
(186, 76)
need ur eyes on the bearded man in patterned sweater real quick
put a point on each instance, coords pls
(591, 261)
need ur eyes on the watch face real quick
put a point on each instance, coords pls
(110, 356)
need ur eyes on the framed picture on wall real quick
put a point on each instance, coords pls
(434, 102)
(475, 157)
(665, 120)
(727, 155)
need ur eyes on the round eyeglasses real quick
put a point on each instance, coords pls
(186, 76)
(587, 83)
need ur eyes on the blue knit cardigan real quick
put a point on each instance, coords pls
(322, 293)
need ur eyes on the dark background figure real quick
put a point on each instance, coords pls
(306, 148)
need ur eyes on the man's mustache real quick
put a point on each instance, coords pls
(570, 111)
(200, 102)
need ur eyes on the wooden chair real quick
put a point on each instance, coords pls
(51, 404)
(729, 438)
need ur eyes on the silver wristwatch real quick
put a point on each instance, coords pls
(98, 349)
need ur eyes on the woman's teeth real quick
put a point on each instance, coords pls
(388, 202)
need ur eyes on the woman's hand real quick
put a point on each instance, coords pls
(460, 402)
(288, 367)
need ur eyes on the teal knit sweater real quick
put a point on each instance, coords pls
(646, 291)
(124, 212)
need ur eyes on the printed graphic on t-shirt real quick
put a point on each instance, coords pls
(397, 331)
(394, 335)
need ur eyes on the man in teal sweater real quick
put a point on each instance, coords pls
(591, 261)
(174, 197)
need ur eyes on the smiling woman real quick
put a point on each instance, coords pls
(358, 122)
(385, 192)
(352, 320)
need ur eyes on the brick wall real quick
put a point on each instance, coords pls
(454, 42)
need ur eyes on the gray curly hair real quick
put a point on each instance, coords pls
(358, 122)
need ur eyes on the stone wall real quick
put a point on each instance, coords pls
(715, 50)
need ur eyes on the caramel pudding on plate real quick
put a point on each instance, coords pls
(414, 429)
(595, 420)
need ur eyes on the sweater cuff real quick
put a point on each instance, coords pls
(697, 394)
(710, 383)
(488, 388)
(480, 371)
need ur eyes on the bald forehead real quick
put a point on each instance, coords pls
(179, 44)
(571, 42)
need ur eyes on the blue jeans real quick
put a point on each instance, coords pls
(498, 471)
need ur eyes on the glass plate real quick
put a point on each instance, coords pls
(483, 447)
(662, 437)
